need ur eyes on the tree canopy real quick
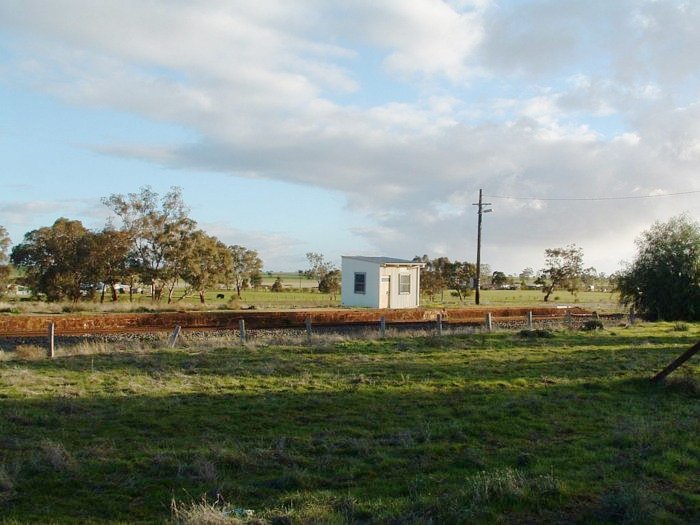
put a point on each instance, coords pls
(57, 259)
(563, 269)
(663, 281)
(319, 266)
(158, 227)
(245, 267)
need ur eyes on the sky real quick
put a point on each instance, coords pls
(359, 128)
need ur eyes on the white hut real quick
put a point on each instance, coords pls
(380, 282)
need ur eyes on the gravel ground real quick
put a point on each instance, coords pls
(292, 335)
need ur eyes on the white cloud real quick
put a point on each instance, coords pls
(549, 98)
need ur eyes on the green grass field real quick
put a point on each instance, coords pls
(480, 428)
(308, 298)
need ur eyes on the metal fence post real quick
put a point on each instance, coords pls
(308, 326)
(174, 336)
(52, 331)
(382, 327)
(489, 322)
(529, 320)
(241, 329)
(439, 324)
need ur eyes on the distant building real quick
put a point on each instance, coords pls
(380, 282)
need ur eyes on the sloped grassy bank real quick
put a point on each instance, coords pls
(470, 428)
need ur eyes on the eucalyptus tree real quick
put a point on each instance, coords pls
(158, 227)
(319, 267)
(563, 269)
(57, 260)
(205, 264)
(245, 267)
(110, 259)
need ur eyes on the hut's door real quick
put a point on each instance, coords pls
(385, 292)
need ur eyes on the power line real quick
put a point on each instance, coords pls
(593, 198)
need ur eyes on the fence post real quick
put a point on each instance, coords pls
(529, 320)
(52, 331)
(677, 362)
(308, 326)
(489, 322)
(174, 336)
(382, 326)
(568, 319)
(241, 329)
(439, 324)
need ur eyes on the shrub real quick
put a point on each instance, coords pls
(593, 324)
(277, 285)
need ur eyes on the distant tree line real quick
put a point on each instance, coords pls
(157, 245)
(442, 274)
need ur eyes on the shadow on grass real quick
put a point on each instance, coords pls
(124, 457)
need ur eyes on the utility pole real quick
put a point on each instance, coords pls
(481, 211)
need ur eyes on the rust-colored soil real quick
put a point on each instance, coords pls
(27, 325)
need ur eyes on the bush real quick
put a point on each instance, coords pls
(664, 280)
(593, 324)
(277, 285)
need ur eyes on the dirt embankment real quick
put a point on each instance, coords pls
(26, 325)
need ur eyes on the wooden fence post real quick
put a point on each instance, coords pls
(174, 336)
(52, 331)
(307, 322)
(382, 327)
(489, 322)
(677, 362)
(241, 329)
(568, 319)
(439, 324)
(530, 324)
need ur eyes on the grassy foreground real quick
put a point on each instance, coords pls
(460, 429)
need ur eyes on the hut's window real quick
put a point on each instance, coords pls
(405, 283)
(360, 282)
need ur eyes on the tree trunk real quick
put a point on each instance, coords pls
(114, 293)
(548, 293)
(102, 295)
(201, 297)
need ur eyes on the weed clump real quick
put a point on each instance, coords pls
(30, 352)
(535, 334)
(625, 504)
(7, 484)
(684, 383)
(56, 456)
(211, 513)
(508, 485)
(680, 327)
(592, 325)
